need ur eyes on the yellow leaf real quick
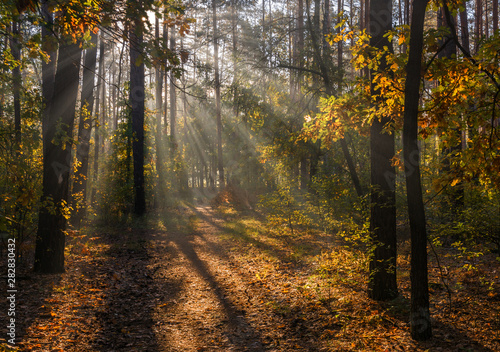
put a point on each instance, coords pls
(454, 182)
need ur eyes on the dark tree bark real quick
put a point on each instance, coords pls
(479, 24)
(49, 45)
(84, 129)
(16, 81)
(340, 51)
(173, 98)
(486, 20)
(382, 283)
(464, 31)
(136, 101)
(220, 162)
(420, 323)
(57, 136)
(495, 16)
(300, 45)
(326, 29)
(454, 195)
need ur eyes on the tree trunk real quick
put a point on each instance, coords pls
(49, 68)
(220, 163)
(114, 89)
(420, 323)
(165, 80)
(16, 81)
(173, 100)
(158, 136)
(57, 136)
(340, 54)
(479, 24)
(486, 20)
(464, 31)
(382, 282)
(300, 46)
(326, 30)
(84, 130)
(495, 16)
(454, 195)
(98, 121)
(136, 101)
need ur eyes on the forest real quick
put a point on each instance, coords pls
(249, 175)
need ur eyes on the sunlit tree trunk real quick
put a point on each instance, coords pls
(220, 163)
(158, 135)
(165, 81)
(98, 121)
(382, 283)
(57, 136)
(136, 101)
(114, 89)
(420, 323)
(84, 130)
(300, 80)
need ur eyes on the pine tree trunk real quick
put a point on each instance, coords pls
(464, 32)
(220, 162)
(98, 122)
(479, 24)
(158, 136)
(173, 100)
(420, 323)
(136, 100)
(16, 81)
(382, 283)
(57, 136)
(495, 16)
(84, 129)
(454, 195)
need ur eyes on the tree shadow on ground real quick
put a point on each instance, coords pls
(445, 336)
(126, 319)
(241, 335)
(30, 303)
(239, 330)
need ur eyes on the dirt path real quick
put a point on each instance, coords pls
(196, 280)
(204, 312)
(219, 303)
(177, 289)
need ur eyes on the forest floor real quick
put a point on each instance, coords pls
(198, 279)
